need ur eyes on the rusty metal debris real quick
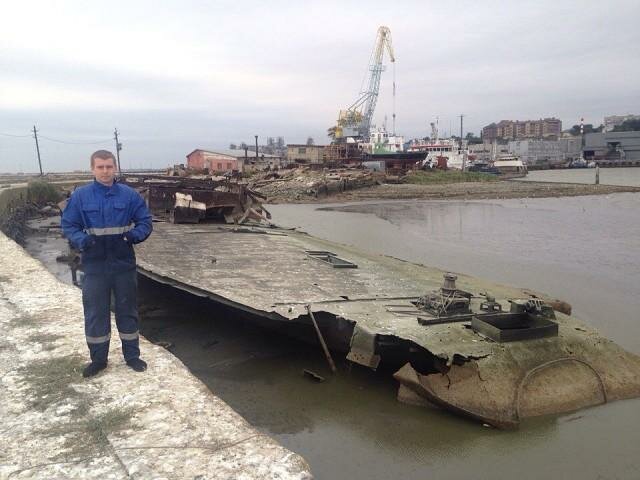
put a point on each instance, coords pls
(193, 200)
(305, 182)
(313, 375)
(325, 349)
(447, 301)
(330, 258)
(527, 319)
(509, 327)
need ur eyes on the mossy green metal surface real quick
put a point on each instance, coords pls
(267, 272)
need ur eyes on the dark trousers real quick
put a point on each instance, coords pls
(96, 299)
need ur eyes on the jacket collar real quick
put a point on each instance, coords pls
(104, 189)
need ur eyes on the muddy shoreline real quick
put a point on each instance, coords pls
(458, 191)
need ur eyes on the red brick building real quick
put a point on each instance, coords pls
(215, 162)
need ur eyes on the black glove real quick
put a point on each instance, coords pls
(88, 242)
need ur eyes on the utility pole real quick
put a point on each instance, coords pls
(582, 138)
(35, 135)
(256, 147)
(464, 157)
(118, 148)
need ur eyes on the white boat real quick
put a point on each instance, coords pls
(447, 149)
(510, 164)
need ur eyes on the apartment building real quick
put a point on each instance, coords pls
(545, 128)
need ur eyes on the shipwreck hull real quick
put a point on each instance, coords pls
(368, 312)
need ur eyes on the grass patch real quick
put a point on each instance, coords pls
(111, 421)
(26, 321)
(41, 192)
(11, 198)
(87, 435)
(50, 380)
(434, 177)
(45, 339)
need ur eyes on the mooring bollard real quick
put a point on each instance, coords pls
(597, 174)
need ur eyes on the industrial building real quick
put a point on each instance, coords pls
(214, 162)
(223, 161)
(613, 148)
(533, 152)
(305, 154)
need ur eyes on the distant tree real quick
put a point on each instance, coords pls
(471, 138)
(310, 141)
(628, 126)
(331, 132)
(588, 128)
(233, 146)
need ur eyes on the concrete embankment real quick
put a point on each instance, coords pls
(162, 423)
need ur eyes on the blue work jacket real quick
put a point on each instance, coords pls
(104, 223)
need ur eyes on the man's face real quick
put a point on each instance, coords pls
(104, 170)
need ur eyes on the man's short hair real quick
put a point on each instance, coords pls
(103, 154)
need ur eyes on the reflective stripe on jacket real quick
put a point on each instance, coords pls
(97, 219)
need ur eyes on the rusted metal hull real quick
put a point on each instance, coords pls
(370, 314)
(190, 200)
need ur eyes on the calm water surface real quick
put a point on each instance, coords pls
(582, 249)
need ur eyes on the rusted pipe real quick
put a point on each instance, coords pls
(322, 342)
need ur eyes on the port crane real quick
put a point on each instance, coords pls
(355, 121)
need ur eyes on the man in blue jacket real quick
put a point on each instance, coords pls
(104, 220)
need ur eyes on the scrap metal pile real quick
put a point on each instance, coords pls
(304, 182)
(191, 200)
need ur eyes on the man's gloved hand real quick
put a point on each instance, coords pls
(88, 242)
(127, 239)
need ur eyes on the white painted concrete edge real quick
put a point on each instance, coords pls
(160, 424)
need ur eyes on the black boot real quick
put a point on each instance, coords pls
(137, 364)
(93, 368)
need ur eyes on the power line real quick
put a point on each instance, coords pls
(75, 143)
(56, 139)
(15, 136)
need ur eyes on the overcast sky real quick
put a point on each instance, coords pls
(177, 75)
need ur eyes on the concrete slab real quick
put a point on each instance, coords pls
(159, 424)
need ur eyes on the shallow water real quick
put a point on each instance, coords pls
(582, 249)
(628, 176)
